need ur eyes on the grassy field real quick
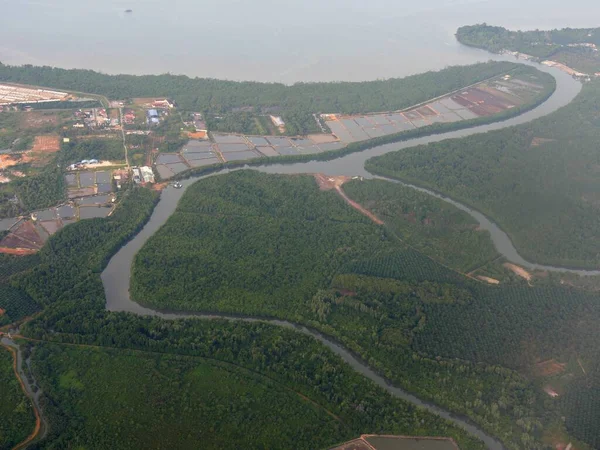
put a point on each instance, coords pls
(16, 411)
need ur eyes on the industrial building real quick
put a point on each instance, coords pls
(152, 115)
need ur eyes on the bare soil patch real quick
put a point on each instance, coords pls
(46, 144)
(548, 368)
(197, 135)
(10, 160)
(537, 141)
(159, 186)
(2, 312)
(519, 271)
(17, 251)
(550, 391)
(38, 119)
(322, 138)
(326, 183)
(488, 279)
(143, 101)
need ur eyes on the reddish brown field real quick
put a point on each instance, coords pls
(2, 312)
(426, 111)
(17, 251)
(16, 243)
(548, 368)
(12, 160)
(143, 100)
(25, 236)
(46, 144)
(197, 135)
(483, 102)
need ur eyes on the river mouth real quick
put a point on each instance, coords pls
(116, 276)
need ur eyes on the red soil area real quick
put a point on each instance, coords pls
(548, 368)
(49, 144)
(23, 240)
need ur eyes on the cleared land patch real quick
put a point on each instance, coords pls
(48, 144)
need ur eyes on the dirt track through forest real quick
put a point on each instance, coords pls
(38, 422)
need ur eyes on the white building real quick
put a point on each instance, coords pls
(277, 121)
(147, 174)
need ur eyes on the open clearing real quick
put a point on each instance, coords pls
(518, 270)
(537, 141)
(10, 94)
(48, 143)
(488, 279)
(327, 183)
(548, 368)
(10, 160)
(38, 119)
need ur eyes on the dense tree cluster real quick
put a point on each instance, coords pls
(45, 189)
(102, 149)
(560, 45)
(428, 224)
(254, 386)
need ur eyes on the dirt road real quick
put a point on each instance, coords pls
(327, 183)
(13, 348)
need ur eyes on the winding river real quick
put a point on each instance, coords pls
(116, 276)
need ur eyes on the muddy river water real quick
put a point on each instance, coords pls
(116, 276)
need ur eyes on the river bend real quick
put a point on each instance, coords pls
(116, 276)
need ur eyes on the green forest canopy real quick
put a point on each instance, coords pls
(148, 400)
(431, 225)
(66, 281)
(560, 45)
(277, 246)
(538, 181)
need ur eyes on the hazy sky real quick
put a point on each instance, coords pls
(265, 39)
